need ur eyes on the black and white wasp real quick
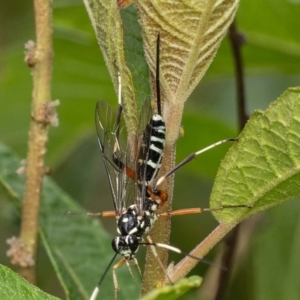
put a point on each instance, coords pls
(132, 173)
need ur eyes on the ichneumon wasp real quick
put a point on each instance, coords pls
(131, 174)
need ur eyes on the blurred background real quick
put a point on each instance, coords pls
(268, 262)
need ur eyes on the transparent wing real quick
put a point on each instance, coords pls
(112, 139)
(118, 157)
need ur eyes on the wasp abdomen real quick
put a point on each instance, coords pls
(153, 143)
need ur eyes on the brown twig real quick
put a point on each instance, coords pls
(227, 260)
(39, 58)
(188, 263)
(237, 40)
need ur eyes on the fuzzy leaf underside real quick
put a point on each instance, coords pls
(191, 32)
(262, 169)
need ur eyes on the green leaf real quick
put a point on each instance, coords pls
(266, 39)
(13, 286)
(121, 46)
(263, 168)
(134, 55)
(170, 292)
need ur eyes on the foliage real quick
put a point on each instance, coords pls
(271, 57)
(14, 286)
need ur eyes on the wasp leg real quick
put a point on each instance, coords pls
(189, 158)
(199, 210)
(115, 280)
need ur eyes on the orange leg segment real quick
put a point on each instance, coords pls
(199, 210)
(104, 214)
(115, 267)
(181, 212)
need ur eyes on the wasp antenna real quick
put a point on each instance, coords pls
(157, 75)
(97, 288)
(71, 213)
(95, 293)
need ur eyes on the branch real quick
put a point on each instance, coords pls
(39, 58)
(237, 40)
(153, 272)
(188, 263)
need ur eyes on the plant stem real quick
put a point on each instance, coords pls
(39, 58)
(237, 40)
(231, 241)
(161, 230)
(188, 263)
